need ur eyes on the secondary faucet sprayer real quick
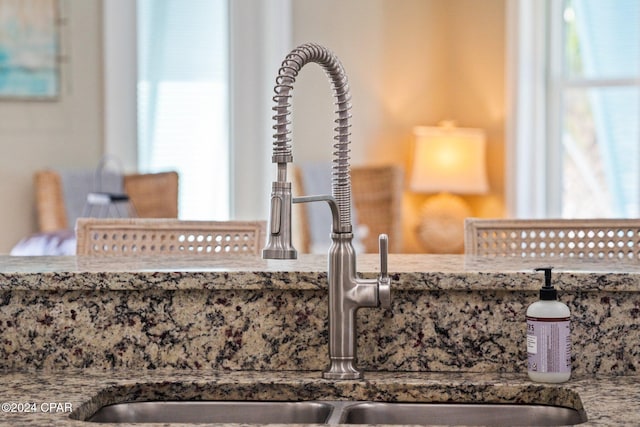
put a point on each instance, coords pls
(347, 292)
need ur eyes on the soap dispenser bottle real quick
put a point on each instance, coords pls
(548, 336)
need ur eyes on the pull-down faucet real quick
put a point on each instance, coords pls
(347, 292)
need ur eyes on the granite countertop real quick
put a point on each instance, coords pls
(306, 262)
(48, 284)
(607, 401)
(420, 272)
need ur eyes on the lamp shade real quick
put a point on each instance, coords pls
(449, 159)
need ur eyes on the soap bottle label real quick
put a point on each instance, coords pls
(549, 344)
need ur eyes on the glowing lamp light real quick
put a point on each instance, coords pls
(449, 159)
(446, 160)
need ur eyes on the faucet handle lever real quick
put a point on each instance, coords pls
(384, 282)
(383, 245)
(276, 214)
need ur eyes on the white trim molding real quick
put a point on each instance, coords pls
(260, 37)
(120, 79)
(526, 133)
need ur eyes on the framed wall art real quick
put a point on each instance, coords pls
(29, 47)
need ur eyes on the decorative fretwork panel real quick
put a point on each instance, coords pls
(143, 236)
(587, 238)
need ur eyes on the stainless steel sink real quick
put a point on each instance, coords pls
(215, 412)
(337, 412)
(460, 414)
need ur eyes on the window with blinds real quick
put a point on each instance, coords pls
(594, 107)
(183, 100)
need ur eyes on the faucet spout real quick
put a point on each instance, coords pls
(347, 292)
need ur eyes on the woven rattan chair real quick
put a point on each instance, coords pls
(548, 238)
(377, 199)
(50, 209)
(154, 236)
(153, 195)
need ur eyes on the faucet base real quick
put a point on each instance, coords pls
(342, 369)
(279, 254)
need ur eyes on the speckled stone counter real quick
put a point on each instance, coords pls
(74, 326)
(449, 313)
(607, 401)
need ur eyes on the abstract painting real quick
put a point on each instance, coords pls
(29, 46)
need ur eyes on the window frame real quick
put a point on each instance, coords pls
(535, 85)
(262, 34)
(526, 118)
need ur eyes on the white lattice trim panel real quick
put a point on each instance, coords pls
(151, 236)
(579, 238)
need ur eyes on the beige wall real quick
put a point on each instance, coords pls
(409, 62)
(477, 80)
(62, 133)
(386, 48)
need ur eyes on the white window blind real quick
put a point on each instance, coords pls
(183, 101)
(599, 89)
(575, 88)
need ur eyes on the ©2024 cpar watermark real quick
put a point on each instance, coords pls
(33, 407)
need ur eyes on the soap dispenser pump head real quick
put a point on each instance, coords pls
(547, 292)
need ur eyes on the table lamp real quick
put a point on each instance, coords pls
(447, 160)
